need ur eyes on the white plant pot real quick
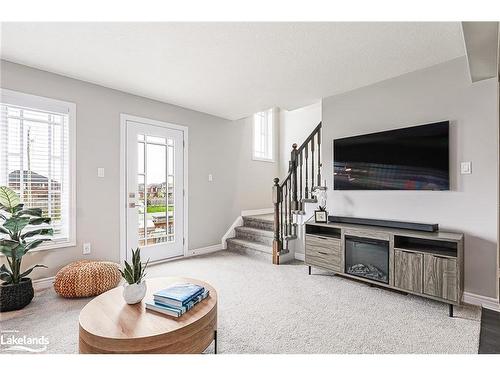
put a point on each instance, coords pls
(134, 293)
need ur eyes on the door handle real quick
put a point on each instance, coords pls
(131, 205)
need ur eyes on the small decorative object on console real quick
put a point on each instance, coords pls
(320, 215)
(135, 290)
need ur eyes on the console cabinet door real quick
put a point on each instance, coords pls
(408, 271)
(323, 252)
(440, 277)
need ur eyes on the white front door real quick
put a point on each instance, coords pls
(154, 190)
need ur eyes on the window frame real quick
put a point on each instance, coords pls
(272, 112)
(42, 103)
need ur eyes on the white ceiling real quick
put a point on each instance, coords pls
(232, 69)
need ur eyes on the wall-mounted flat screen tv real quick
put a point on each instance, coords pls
(414, 158)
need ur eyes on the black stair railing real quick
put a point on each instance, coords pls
(295, 189)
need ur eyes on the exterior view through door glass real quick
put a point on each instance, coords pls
(155, 177)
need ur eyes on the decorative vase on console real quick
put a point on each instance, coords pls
(320, 215)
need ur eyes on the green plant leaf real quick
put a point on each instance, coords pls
(5, 273)
(3, 230)
(28, 271)
(38, 232)
(8, 198)
(16, 224)
(7, 247)
(39, 220)
(6, 277)
(19, 251)
(31, 245)
(30, 211)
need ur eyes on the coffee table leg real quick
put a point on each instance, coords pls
(215, 342)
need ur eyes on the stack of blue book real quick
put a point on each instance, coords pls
(177, 299)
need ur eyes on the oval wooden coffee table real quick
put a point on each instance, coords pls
(109, 325)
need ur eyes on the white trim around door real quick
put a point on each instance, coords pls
(123, 177)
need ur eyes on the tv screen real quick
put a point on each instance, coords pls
(414, 158)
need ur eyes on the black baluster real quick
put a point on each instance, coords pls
(307, 180)
(319, 157)
(282, 223)
(286, 205)
(312, 163)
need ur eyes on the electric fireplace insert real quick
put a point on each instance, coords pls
(367, 258)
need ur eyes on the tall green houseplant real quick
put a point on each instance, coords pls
(18, 235)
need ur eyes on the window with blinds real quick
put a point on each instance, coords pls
(263, 136)
(35, 158)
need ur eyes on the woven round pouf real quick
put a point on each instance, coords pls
(86, 278)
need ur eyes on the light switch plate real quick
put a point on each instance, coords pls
(466, 167)
(100, 172)
(86, 248)
(210, 178)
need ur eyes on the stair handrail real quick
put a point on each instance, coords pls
(288, 190)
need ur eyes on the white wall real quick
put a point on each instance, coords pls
(442, 92)
(217, 146)
(295, 127)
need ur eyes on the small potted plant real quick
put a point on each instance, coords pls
(18, 235)
(135, 289)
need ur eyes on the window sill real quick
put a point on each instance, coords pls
(264, 160)
(50, 246)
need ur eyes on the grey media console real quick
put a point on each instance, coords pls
(426, 264)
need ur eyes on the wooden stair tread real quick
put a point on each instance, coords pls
(251, 245)
(255, 231)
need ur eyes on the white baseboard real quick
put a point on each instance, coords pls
(478, 300)
(206, 250)
(300, 256)
(46, 282)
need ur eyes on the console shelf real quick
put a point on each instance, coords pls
(325, 231)
(424, 245)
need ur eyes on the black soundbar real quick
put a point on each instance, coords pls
(384, 223)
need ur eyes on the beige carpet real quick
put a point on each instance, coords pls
(280, 309)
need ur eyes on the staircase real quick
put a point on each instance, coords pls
(267, 236)
(255, 237)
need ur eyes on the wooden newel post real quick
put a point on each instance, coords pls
(276, 202)
(293, 168)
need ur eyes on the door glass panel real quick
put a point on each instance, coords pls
(140, 157)
(141, 209)
(160, 140)
(170, 197)
(156, 193)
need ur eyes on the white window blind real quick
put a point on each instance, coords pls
(35, 158)
(263, 136)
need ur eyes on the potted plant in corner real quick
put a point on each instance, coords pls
(18, 235)
(135, 289)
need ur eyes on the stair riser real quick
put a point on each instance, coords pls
(258, 224)
(250, 252)
(244, 235)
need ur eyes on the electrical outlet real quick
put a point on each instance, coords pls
(466, 167)
(86, 248)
